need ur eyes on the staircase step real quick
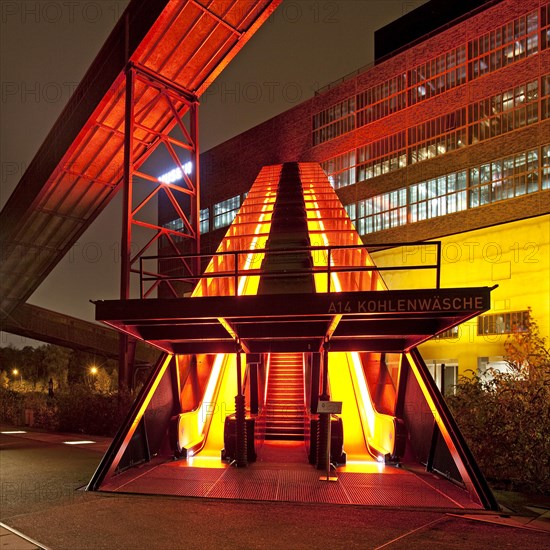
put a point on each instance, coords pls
(284, 437)
(281, 403)
(277, 428)
(274, 410)
(284, 408)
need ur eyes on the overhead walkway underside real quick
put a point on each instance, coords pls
(366, 320)
(181, 44)
(291, 300)
(49, 326)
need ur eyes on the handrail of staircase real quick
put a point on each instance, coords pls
(156, 278)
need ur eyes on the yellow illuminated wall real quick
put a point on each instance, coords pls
(515, 256)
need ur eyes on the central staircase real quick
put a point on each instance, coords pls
(285, 398)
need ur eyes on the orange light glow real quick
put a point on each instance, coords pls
(367, 432)
(249, 232)
(203, 428)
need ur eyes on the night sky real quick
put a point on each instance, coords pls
(46, 47)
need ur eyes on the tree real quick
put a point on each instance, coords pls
(77, 368)
(526, 353)
(56, 364)
(506, 418)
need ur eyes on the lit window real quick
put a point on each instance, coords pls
(205, 220)
(334, 121)
(505, 45)
(503, 323)
(452, 333)
(225, 211)
(340, 169)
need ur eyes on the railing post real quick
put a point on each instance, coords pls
(329, 261)
(236, 260)
(438, 268)
(241, 444)
(323, 425)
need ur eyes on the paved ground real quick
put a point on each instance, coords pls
(40, 476)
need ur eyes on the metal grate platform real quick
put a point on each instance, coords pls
(390, 487)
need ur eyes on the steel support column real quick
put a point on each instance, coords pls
(323, 431)
(142, 187)
(241, 458)
(124, 366)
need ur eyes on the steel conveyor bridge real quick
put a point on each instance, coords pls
(172, 50)
(38, 323)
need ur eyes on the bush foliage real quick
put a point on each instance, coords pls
(80, 410)
(505, 417)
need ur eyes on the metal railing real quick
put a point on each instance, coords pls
(236, 268)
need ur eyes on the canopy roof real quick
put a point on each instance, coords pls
(388, 321)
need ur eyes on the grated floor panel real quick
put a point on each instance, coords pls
(390, 488)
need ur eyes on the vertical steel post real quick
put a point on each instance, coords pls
(325, 394)
(241, 458)
(253, 377)
(196, 204)
(314, 387)
(124, 378)
(323, 431)
(239, 372)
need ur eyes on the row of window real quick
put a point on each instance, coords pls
(219, 215)
(487, 118)
(504, 45)
(505, 178)
(437, 75)
(493, 324)
(175, 225)
(503, 323)
(498, 180)
(485, 54)
(224, 212)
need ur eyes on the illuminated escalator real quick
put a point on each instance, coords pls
(367, 432)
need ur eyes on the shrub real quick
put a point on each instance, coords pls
(83, 411)
(11, 406)
(506, 418)
(44, 411)
(79, 410)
